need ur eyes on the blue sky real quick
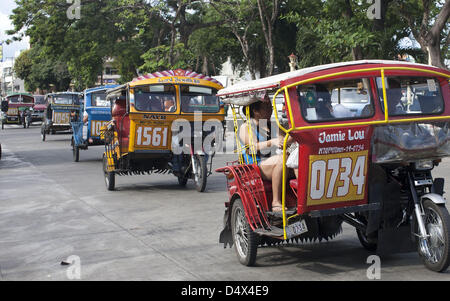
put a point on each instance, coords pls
(5, 24)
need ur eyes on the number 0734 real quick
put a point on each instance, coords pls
(337, 178)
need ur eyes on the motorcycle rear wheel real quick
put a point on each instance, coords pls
(437, 223)
(202, 173)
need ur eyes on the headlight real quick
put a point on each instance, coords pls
(424, 165)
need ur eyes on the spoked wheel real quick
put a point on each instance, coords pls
(244, 239)
(436, 248)
(201, 175)
(110, 179)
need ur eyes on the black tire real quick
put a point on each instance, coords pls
(76, 153)
(365, 242)
(368, 244)
(244, 239)
(437, 223)
(182, 180)
(110, 179)
(201, 178)
(3, 125)
(43, 134)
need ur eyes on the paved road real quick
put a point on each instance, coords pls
(149, 229)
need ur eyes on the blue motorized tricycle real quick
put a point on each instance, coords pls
(95, 113)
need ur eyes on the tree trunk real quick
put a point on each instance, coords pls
(357, 53)
(205, 66)
(429, 39)
(267, 23)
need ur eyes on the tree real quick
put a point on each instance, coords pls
(240, 16)
(342, 30)
(268, 14)
(428, 21)
(156, 59)
(41, 72)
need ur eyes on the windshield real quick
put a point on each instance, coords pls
(155, 98)
(411, 95)
(20, 99)
(333, 100)
(195, 98)
(66, 99)
(39, 100)
(98, 99)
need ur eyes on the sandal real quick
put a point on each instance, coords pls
(280, 208)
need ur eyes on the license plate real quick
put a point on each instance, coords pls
(296, 229)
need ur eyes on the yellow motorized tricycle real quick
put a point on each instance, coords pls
(163, 122)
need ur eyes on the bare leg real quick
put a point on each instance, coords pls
(272, 169)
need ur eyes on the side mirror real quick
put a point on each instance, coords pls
(4, 106)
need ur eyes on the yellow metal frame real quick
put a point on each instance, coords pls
(385, 121)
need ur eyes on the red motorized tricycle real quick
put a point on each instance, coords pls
(368, 135)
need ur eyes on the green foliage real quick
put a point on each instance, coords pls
(41, 72)
(156, 59)
(138, 34)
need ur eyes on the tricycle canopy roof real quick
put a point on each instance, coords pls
(243, 93)
(19, 94)
(177, 76)
(64, 93)
(99, 88)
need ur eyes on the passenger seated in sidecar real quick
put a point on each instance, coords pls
(271, 166)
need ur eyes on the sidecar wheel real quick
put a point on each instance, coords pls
(244, 239)
(110, 179)
(76, 153)
(368, 243)
(437, 223)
